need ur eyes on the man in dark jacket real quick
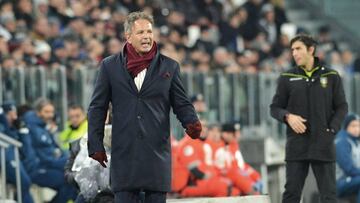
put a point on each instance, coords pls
(310, 99)
(142, 86)
(10, 125)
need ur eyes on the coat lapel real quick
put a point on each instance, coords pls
(151, 72)
(129, 80)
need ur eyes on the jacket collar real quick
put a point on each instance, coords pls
(317, 64)
(33, 119)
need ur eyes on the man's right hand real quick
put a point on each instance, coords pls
(296, 123)
(100, 157)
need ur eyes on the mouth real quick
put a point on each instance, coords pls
(146, 44)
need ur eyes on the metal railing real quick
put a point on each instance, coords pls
(230, 97)
(6, 142)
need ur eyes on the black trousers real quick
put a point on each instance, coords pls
(138, 196)
(296, 173)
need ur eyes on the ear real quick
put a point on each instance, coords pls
(312, 50)
(127, 37)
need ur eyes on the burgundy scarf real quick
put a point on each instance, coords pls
(135, 62)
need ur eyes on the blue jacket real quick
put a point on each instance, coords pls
(49, 153)
(27, 154)
(344, 154)
(141, 152)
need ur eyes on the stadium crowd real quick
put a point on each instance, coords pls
(207, 35)
(235, 36)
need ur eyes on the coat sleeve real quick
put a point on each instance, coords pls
(339, 104)
(97, 111)
(182, 107)
(280, 100)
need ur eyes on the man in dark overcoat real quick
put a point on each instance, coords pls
(142, 86)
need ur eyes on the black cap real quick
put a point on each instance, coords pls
(230, 127)
(196, 97)
(349, 118)
(8, 106)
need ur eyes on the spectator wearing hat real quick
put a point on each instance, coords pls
(11, 126)
(348, 157)
(59, 53)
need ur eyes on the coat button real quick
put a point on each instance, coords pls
(139, 117)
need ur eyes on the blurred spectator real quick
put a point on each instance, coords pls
(196, 156)
(24, 11)
(211, 9)
(200, 105)
(267, 23)
(253, 8)
(230, 30)
(205, 42)
(348, 61)
(221, 59)
(357, 65)
(81, 33)
(281, 45)
(280, 15)
(12, 126)
(50, 159)
(95, 50)
(325, 41)
(348, 158)
(230, 163)
(40, 29)
(59, 52)
(336, 62)
(114, 46)
(75, 128)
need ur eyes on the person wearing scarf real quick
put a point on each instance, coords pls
(142, 86)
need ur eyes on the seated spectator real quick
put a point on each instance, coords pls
(47, 166)
(10, 125)
(230, 163)
(196, 156)
(75, 128)
(79, 171)
(348, 158)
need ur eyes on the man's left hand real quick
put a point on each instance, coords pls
(194, 129)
